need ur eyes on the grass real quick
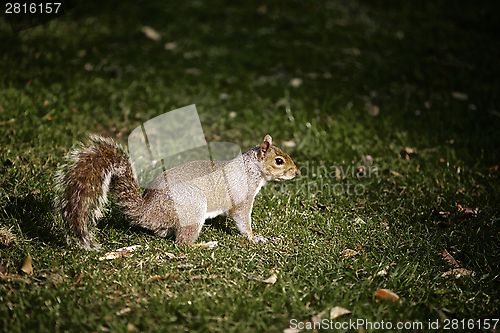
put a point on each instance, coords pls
(431, 70)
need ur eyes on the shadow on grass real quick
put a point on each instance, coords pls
(32, 215)
(116, 220)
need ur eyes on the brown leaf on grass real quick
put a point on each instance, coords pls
(78, 278)
(206, 245)
(467, 212)
(262, 9)
(271, 280)
(448, 257)
(338, 311)
(170, 46)
(26, 266)
(459, 95)
(200, 277)
(123, 311)
(458, 272)
(442, 214)
(372, 110)
(151, 33)
(386, 294)
(470, 213)
(296, 82)
(384, 271)
(349, 253)
(395, 173)
(409, 150)
(120, 253)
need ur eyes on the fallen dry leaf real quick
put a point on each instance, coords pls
(78, 278)
(150, 33)
(26, 266)
(296, 82)
(271, 280)
(206, 245)
(442, 214)
(383, 271)
(450, 259)
(409, 150)
(123, 311)
(338, 311)
(458, 272)
(170, 46)
(470, 213)
(372, 110)
(169, 255)
(359, 220)
(213, 276)
(349, 253)
(386, 294)
(460, 96)
(395, 173)
(262, 9)
(120, 253)
(168, 292)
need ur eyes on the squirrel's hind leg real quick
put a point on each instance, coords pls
(190, 207)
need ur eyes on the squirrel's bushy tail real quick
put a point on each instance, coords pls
(83, 183)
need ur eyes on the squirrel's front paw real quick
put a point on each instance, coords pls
(259, 239)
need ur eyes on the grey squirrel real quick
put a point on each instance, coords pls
(179, 200)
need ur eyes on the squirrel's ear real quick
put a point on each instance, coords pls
(268, 138)
(264, 147)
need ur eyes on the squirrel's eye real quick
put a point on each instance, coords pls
(279, 161)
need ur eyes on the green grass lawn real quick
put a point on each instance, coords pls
(409, 91)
